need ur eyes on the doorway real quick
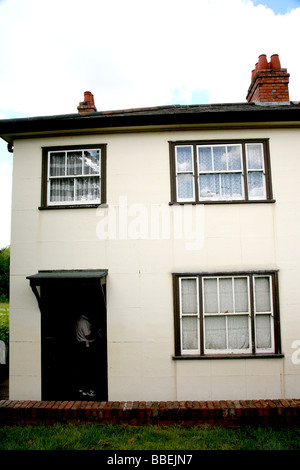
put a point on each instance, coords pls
(61, 301)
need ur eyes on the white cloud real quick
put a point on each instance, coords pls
(136, 53)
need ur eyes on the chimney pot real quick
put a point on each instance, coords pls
(275, 62)
(269, 82)
(262, 62)
(88, 105)
(88, 96)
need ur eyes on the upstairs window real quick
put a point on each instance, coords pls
(220, 171)
(226, 314)
(73, 176)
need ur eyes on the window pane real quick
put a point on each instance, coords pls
(226, 295)
(61, 189)
(215, 332)
(262, 294)
(254, 157)
(234, 157)
(87, 189)
(238, 332)
(220, 158)
(263, 331)
(185, 186)
(91, 162)
(256, 188)
(241, 294)
(210, 296)
(231, 184)
(189, 332)
(184, 159)
(189, 296)
(57, 164)
(74, 163)
(209, 186)
(204, 158)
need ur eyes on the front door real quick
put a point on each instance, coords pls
(62, 303)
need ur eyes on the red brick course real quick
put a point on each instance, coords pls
(138, 413)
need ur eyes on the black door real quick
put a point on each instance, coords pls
(61, 303)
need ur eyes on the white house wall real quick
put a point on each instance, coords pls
(139, 284)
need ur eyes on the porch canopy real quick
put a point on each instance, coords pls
(43, 277)
(72, 277)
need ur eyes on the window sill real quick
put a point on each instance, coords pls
(258, 201)
(75, 206)
(231, 356)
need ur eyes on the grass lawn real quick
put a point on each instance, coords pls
(149, 438)
(4, 307)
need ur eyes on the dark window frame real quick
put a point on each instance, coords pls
(242, 142)
(44, 177)
(178, 354)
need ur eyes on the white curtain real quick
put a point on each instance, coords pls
(262, 294)
(226, 295)
(222, 161)
(91, 162)
(189, 326)
(222, 330)
(238, 332)
(263, 331)
(74, 163)
(57, 164)
(75, 187)
(255, 165)
(262, 288)
(241, 294)
(189, 312)
(185, 186)
(211, 296)
(61, 189)
(184, 169)
(215, 332)
(227, 332)
(87, 189)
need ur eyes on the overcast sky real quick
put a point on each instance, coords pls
(134, 53)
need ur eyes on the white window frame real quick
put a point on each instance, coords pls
(75, 177)
(197, 315)
(227, 314)
(258, 170)
(221, 197)
(265, 193)
(271, 313)
(191, 172)
(252, 314)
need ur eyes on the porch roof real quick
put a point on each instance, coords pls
(67, 274)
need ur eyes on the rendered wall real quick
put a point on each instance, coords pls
(125, 239)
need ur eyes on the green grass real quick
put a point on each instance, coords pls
(106, 437)
(4, 321)
(4, 307)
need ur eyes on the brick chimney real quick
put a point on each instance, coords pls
(88, 105)
(269, 82)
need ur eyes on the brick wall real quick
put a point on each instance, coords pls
(184, 413)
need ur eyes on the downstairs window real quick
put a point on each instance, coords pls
(226, 314)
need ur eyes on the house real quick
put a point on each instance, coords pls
(177, 227)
